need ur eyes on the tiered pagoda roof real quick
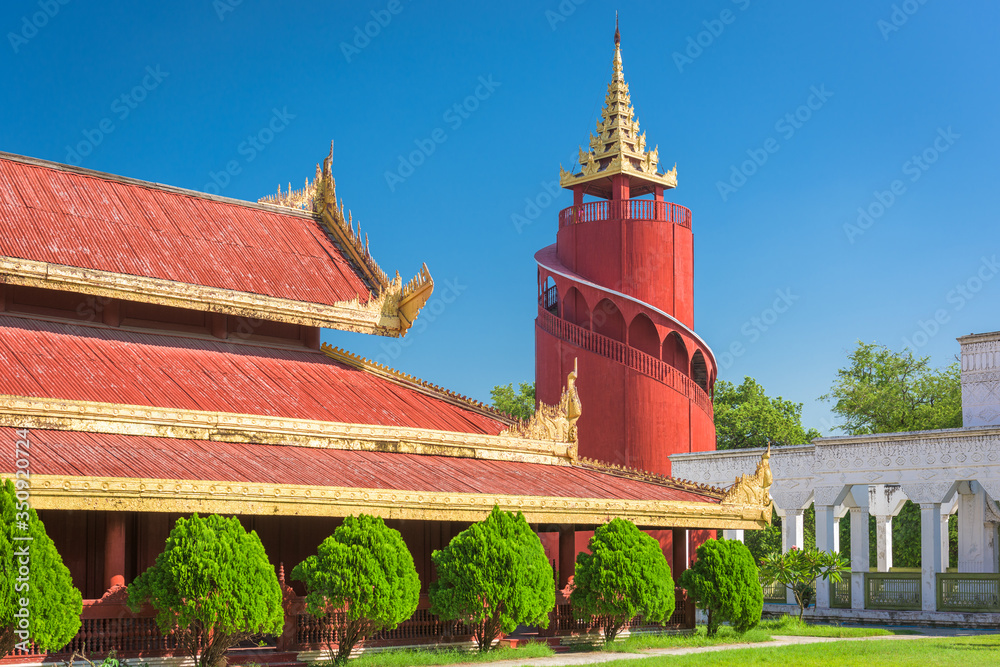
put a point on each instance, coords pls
(618, 147)
(145, 419)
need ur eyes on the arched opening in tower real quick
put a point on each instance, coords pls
(699, 370)
(549, 298)
(608, 320)
(642, 335)
(575, 308)
(675, 352)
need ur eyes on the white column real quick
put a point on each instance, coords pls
(732, 534)
(824, 542)
(883, 542)
(945, 543)
(836, 534)
(930, 552)
(792, 535)
(859, 555)
(973, 534)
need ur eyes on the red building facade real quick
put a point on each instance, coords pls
(616, 296)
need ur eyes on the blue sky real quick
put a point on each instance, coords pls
(184, 87)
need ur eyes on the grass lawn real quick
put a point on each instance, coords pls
(788, 625)
(976, 651)
(446, 657)
(792, 626)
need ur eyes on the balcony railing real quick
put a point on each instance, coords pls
(968, 592)
(626, 209)
(775, 592)
(892, 590)
(626, 355)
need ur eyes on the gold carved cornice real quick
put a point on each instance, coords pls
(352, 315)
(57, 492)
(137, 420)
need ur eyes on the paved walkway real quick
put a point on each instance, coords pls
(598, 658)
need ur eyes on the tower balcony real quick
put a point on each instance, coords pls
(626, 355)
(626, 209)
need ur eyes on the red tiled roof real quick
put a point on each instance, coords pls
(77, 454)
(98, 221)
(63, 361)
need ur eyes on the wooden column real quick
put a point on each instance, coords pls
(310, 337)
(219, 325)
(567, 554)
(111, 312)
(3, 296)
(114, 550)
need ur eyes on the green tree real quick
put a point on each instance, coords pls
(725, 582)
(625, 575)
(212, 587)
(365, 572)
(494, 576)
(518, 402)
(746, 417)
(52, 615)
(800, 569)
(881, 391)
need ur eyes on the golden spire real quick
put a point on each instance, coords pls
(618, 147)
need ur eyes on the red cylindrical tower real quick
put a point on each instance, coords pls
(616, 292)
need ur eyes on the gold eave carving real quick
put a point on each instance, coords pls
(137, 420)
(389, 313)
(117, 494)
(751, 491)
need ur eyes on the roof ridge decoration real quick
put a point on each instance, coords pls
(651, 477)
(618, 147)
(405, 379)
(752, 490)
(319, 197)
(554, 422)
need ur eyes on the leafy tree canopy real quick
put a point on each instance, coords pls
(518, 402)
(725, 582)
(624, 575)
(366, 570)
(881, 391)
(52, 615)
(745, 417)
(494, 576)
(213, 586)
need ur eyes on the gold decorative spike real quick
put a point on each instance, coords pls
(751, 490)
(398, 305)
(554, 422)
(618, 147)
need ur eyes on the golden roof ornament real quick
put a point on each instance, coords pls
(752, 490)
(618, 146)
(554, 422)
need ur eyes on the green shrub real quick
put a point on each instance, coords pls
(725, 582)
(494, 576)
(53, 603)
(624, 575)
(212, 586)
(365, 570)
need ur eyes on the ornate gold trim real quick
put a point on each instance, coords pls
(368, 318)
(57, 492)
(619, 147)
(319, 197)
(93, 417)
(415, 383)
(555, 422)
(752, 490)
